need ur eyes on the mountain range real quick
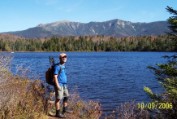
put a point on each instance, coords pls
(116, 27)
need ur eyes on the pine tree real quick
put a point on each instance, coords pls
(173, 25)
(173, 21)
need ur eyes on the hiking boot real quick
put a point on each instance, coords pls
(66, 110)
(60, 115)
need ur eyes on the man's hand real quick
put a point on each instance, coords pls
(59, 87)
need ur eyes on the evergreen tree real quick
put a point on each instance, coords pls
(173, 25)
(173, 21)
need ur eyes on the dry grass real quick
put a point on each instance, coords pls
(84, 109)
(22, 99)
(129, 110)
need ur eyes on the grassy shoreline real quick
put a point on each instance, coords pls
(22, 98)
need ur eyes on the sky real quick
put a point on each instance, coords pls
(18, 15)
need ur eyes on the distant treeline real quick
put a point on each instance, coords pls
(90, 43)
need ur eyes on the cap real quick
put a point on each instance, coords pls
(62, 55)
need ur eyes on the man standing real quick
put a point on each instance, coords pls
(61, 91)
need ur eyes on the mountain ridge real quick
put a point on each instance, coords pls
(115, 27)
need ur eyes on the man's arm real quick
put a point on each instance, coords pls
(56, 82)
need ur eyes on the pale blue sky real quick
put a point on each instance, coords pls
(22, 14)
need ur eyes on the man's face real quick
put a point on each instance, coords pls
(64, 58)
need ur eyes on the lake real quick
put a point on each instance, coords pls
(111, 78)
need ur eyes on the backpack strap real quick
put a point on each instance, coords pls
(59, 70)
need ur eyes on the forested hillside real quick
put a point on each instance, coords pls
(89, 43)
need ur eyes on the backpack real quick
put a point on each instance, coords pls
(49, 74)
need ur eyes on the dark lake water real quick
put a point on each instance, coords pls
(111, 78)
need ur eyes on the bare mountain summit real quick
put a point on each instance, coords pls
(118, 28)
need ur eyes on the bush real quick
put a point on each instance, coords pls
(129, 110)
